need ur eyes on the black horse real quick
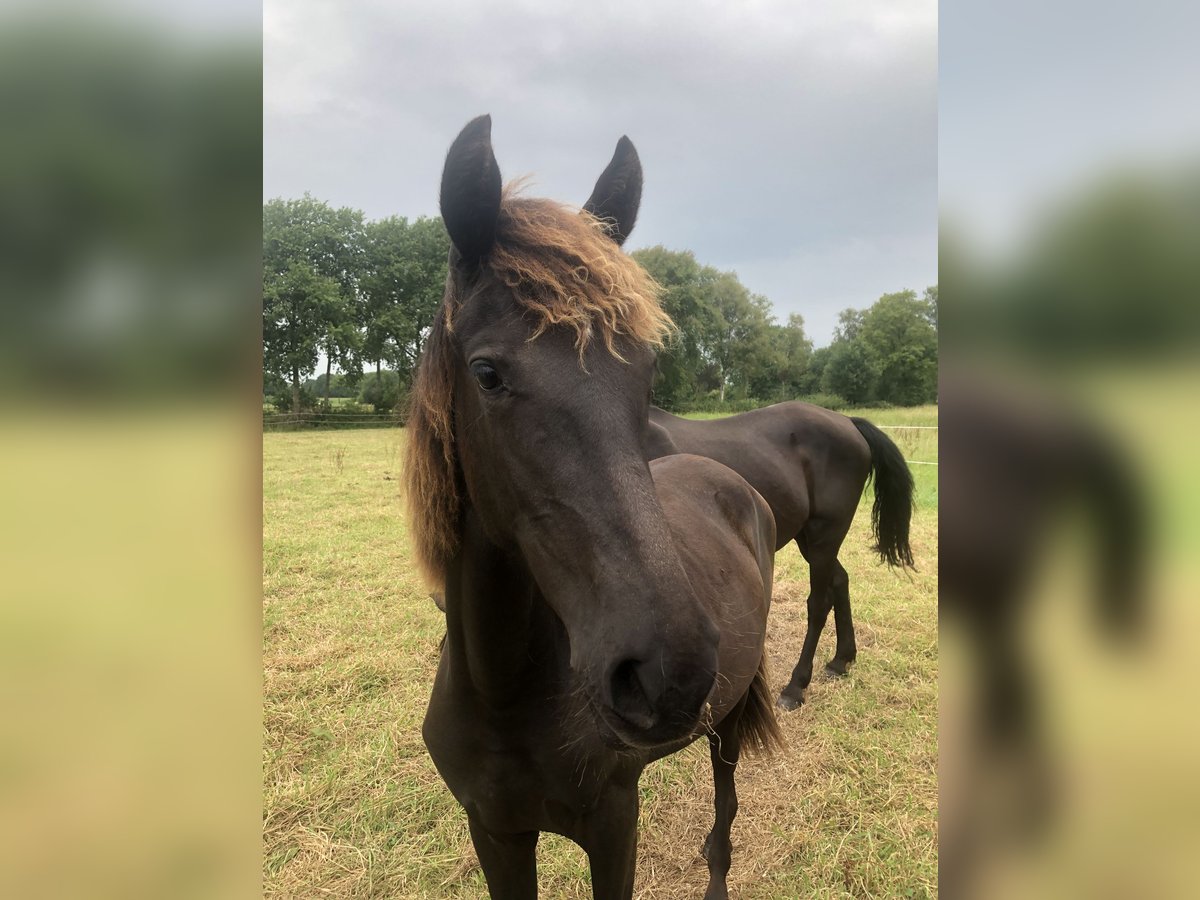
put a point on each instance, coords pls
(811, 466)
(601, 611)
(1017, 462)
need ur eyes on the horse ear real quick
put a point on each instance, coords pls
(470, 198)
(618, 193)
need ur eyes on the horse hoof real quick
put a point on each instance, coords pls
(787, 704)
(837, 667)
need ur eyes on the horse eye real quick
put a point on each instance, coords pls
(488, 377)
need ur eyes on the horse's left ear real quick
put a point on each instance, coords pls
(470, 197)
(618, 193)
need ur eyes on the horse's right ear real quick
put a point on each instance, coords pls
(470, 197)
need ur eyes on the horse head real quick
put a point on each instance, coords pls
(531, 415)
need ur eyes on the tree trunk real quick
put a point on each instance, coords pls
(328, 366)
(295, 391)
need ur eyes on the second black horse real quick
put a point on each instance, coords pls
(811, 465)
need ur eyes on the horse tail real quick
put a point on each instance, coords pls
(758, 729)
(893, 508)
(1112, 493)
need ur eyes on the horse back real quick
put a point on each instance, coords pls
(806, 461)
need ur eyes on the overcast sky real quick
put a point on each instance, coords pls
(1040, 99)
(795, 143)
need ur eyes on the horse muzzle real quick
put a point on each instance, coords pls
(648, 702)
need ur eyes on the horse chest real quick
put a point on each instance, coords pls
(509, 771)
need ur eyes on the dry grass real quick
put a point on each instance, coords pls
(353, 806)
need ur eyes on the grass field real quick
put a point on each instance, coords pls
(354, 808)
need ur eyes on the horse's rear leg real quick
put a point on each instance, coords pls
(847, 649)
(509, 862)
(725, 747)
(821, 569)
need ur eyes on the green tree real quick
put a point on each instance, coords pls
(308, 245)
(335, 386)
(850, 322)
(931, 305)
(723, 342)
(901, 341)
(381, 390)
(786, 361)
(738, 341)
(849, 371)
(810, 381)
(297, 303)
(405, 281)
(685, 297)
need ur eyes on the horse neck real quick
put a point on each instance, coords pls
(494, 632)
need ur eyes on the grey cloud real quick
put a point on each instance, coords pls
(796, 145)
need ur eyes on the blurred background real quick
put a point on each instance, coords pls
(130, 192)
(130, 173)
(1069, 174)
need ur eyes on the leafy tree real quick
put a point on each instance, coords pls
(849, 371)
(810, 381)
(902, 343)
(342, 340)
(723, 339)
(365, 292)
(931, 305)
(337, 385)
(381, 390)
(786, 361)
(297, 304)
(685, 283)
(406, 277)
(273, 385)
(738, 342)
(850, 322)
(329, 240)
(309, 246)
(887, 352)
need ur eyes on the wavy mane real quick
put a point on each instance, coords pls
(565, 271)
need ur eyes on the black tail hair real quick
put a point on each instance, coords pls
(758, 729)
(893, 508)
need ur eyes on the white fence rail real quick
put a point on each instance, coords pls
(912, 462)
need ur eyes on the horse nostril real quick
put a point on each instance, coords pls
(627, 694)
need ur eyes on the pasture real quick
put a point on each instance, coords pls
(353, 807)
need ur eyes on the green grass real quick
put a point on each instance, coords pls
(354, 808)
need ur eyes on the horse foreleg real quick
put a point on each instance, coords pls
(611, 844)
(509, 862)
(724, 745)
(847, 649)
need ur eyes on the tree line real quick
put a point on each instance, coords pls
(362, 294)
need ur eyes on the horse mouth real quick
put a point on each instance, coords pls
(619, 733)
